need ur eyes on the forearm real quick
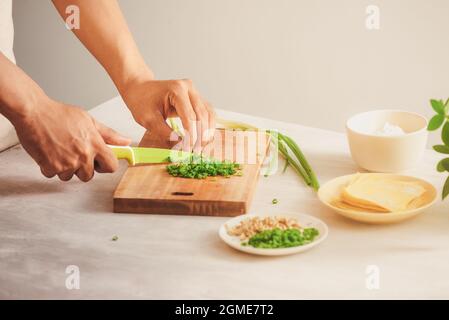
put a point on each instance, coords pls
(19, 94)
(104, 32)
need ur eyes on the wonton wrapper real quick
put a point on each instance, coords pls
(381, 194)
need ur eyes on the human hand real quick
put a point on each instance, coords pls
(65, 140)
(151, 102)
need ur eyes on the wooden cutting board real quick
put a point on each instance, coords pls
(150, 189)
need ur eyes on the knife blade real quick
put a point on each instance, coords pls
(139, 155)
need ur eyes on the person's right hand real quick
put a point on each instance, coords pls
(65, 140)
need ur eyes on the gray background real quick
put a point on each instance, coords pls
(310, 62)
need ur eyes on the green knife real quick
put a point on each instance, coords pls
(138, 155)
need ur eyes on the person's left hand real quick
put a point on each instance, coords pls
(151, 102)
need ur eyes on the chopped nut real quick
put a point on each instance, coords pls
(251, 226)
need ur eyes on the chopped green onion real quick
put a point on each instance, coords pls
(277, 238)
(198, 168)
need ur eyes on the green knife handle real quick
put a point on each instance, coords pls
(124, 152)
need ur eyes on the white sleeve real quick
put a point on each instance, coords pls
(8, 135)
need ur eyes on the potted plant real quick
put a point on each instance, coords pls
(441, 119)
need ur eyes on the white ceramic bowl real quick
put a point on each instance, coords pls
(380, 153)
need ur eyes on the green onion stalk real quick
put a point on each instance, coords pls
(288, 148)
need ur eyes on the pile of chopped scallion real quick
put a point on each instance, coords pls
(200, 168)
(277, 238)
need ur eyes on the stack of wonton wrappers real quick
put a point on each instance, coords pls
(382, 194)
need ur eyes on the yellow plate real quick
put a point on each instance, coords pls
(331, 191)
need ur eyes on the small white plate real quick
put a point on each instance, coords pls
(331, 190)
(304, 220)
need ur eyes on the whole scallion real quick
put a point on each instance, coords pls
(288, 148)
(304, 164)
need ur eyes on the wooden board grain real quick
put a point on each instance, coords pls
(150, 189)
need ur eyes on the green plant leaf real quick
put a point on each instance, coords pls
(445, 133)
(443, 165)
(440, 167)
(441, 148)
(446, 189)
(435, 122)
(438, 106)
